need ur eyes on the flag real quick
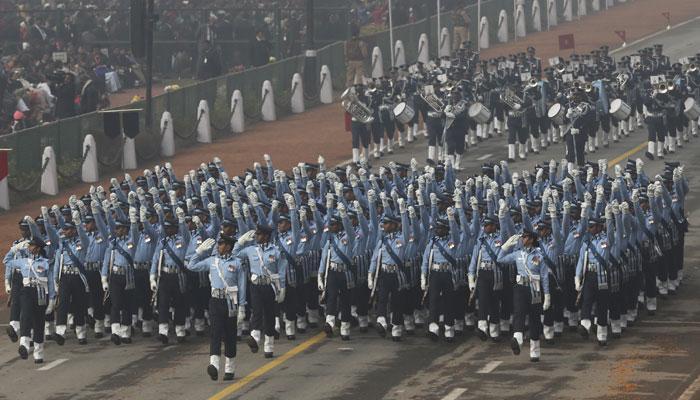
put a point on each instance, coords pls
(566, 42)
(622, 35)
(4, 169)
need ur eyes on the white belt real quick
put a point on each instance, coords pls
(260, 279)
(592, 267)
(338, 267)
(487, 265)
(218, 293)
(118, 270)
(169, 269)
(390, 268)
(441, 267)
(71, 270)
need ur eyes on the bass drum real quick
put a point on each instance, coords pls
(404, 113)
(479, 113)
(556, 114)
(692, 109)
(620, 110)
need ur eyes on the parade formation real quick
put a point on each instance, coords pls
(401, 248)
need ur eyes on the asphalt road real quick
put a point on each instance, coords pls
(657, 358)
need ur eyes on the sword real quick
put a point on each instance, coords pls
(111, 264)
(472, 293)
(154, 298)
(325, 275)
(427, 277)
(376, 277)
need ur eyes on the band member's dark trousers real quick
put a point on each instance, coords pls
(522, 307)
(556, 308)
(377, 131)
(388, 294)
(537, 125)
(293, 305)
(591, 294)
(569, 288)
(649, 268)
(196, 296)
(360, 135)
(16, 283)
(507, 292)
(360, 298)
(338, 295)
(223, 328)
(123, 300)
(96, 295)
(441, 293)
(633, 288)
(455, 141)
(71, 297)
(576, 148)
(263, 305)
(604, 120)
(656, 129)
(143, 294)
(617, 305)
(311, 294)
(388, 124)
(32, 315)
(435, 128)
(517, 133)
(489, 299)
(169, 294)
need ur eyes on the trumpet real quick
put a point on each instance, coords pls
(532, 83)
(587, 87)
(561, 68)
(691, 68)
(511, 99)
(661, 88)
(622, 79)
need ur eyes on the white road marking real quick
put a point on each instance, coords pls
(485, 156)
(691, 390)
(489, 367)
(52, 364)
(454, 394)
(345, 349)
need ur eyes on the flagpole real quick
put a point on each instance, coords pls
(478, 26)
(391, 36)
(439, 28)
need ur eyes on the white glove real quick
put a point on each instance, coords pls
(197, 222)
(173, 197)
(433, 199)
(419, 198)
(567, 207)
(320, 283)
(158, 208)
(341, 210)
(370, 281)
(639, 164)
(510, 242)
(236, 208)
(329, 201)
(608, 212)
(280, 295)
(246, 237)
(402, 206)
(154, 283)
(577, 281)
(246, 210)
(515, 179)
(241, 313)
(253, 197)
(539, 175)
(275, 205)
(547, 302)
(133, 215)
(289, 200)
(472, 282)
(180, 213)
(76, 217)
(8, 288)
(267, 159)
(50, 307)
(625, 207)
(222, 201)
(451, 213)
(618, 170)
(552, 210)
(474, 203)
(411, 212)
(615, 208)
(105, 285)
(338, 189)
(414, 164)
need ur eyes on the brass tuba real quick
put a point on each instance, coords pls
(433, 101)
(355, 107)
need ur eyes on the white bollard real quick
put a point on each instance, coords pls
(326, 91)
(399, 54)
(551, 13)
(568, 10)
(129, 158)
(423, 49)
(582, 11)
(49, 179)
(204, 125)
(537, 16)
(484, 33)
(377, 63)
(444, 48)
(237, 117)
(297, 97)
(503, 26)
(520, 30)
(595, 5)
(167, 141)
(90, 170)
(267, 106)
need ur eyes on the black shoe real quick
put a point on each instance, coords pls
(534, 359)
(253, 344)
(328, 329)
(496, 339)
(557, 334)
(200, 333)
(651, 312)
(228, 376)
(515, 346)
(511, 160)
(99, 335)
(48, 337)
(549, 341)
(573, 328)
(212, 372)
(345, 338)
(411, 332)
(268, 354)
(433, 336)
(583, 332)
(649, 155)
(277, 335)
(82, 342)
(363, 329)
(449, 339)
(381, 330)
(671, 292)
(108, 329)
(245, 332)
(11, 334)
(23, 352)
(116, 339)
(146, 334)
(602, 343)
(469, 327)
(187, 332)
(459, 332)
(126, 340)
(38, 361)
(396, 338)
(616, 335)
(301, 330)
(291, 337)
(180, 339)
(430, 161)
(313, 325)
(60, 340)
(354, 322)
(163, 338)
(90, 321)
(482, 335)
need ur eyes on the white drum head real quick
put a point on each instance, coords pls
(554, 110)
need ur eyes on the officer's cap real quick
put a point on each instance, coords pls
(530, 233)
(595, 221)
(544, 224)
(69, 225)
(441, 223)
(178, 185)
(169, 223)
(88, 218)
(225, 239)
(121, 223)
(227, 222)
(198, 211)
(490, 220)
(36, 241)
(335, 219)
(391, 218)
(283, 217)
(23, 223)
(264, 229)
(515, 211)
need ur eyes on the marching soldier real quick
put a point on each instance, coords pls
(13, 278)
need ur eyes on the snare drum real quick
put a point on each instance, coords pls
(556, 114)
(620, 110)
(479, 113)
(692, 109)
(404, 113)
